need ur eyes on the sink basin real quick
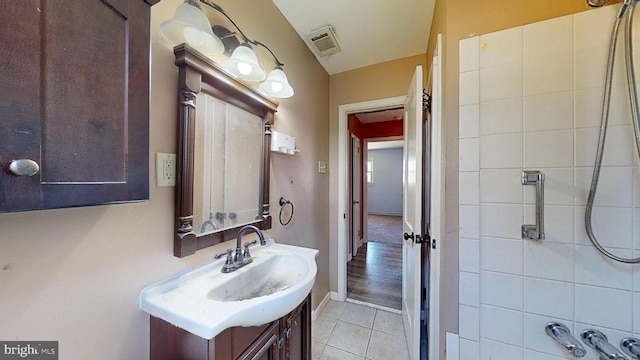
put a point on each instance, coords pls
(205, 301)
(277, 273)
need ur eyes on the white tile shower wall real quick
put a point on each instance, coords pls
(530, 98)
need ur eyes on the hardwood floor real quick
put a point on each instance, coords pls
(375, 275)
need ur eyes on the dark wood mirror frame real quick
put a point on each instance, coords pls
(198, 73)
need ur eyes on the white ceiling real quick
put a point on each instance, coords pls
(368, 31)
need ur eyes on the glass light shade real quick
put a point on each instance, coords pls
(243, 63)
(277, 85)
(190, 25)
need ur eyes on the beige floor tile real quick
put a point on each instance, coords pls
(316, 349)
(387, 347)
(350, 337)
(389, 323)
(322, 328)
(333, 309)
(331, 353)
(358, 315)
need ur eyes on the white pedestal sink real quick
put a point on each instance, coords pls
(205, 301)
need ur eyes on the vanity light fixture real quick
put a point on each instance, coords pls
(190, 25)
(243, 63)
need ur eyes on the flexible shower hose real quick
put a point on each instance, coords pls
(627, 9)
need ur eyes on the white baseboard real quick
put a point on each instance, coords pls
(452, 346)
(384, 213)
(379, 307)
(318, 310)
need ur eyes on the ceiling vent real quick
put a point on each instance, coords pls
(323, 41)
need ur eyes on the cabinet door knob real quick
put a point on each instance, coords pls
(24, 167)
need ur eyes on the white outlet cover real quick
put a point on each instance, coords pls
(165, 169)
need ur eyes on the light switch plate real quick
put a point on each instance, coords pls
(165, 169)
(322, 167)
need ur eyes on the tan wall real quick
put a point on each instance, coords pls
(456, 20)
(380, 81)
(73, 275)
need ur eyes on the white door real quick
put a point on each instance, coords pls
(435, 206)
(412, 215)
(356, 165)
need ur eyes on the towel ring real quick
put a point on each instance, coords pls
(283, 203)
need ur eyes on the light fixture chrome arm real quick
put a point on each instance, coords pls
(244, 36)
(278, 63)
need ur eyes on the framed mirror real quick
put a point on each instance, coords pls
(223, 155)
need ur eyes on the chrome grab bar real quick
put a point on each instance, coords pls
(562, 335)
(535, 232)
(598, 341)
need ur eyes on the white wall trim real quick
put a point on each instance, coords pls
(320, 307)
(343, 131)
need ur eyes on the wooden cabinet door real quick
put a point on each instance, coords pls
(74, 99)
(296, 331)
(266, 347)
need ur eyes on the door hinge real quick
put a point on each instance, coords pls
(426, 100)
(433, 243)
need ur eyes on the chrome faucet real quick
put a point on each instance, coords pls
(599, 342)
(561, 334)
(241, 258)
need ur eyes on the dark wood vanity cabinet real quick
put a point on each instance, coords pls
(74, 100)
(288, 338)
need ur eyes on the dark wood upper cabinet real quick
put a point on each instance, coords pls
(75, 100)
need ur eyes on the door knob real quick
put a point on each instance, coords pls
(24, 167)
(409, 236)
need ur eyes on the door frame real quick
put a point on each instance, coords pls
(343, 178)
(436, 199)
(355, 180)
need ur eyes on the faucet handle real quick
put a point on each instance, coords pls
(598, 341)
(229, 265)
(631, 347)
(247, 244)
(561, 334)
(220, 255)
(246, 255)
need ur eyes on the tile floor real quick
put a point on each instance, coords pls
(347, 331)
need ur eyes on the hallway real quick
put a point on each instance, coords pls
(375, 274)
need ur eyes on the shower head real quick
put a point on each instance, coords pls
(597, 3)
